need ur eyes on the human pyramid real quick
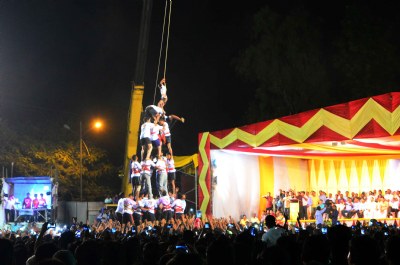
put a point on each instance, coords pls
(155, 132)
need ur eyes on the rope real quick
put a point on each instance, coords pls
(161, 48)
(166, 49)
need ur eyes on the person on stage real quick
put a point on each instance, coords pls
(27, 202)
(269, 201)
(9, 208)
(35, 202)
(42, 201)
(35, 205)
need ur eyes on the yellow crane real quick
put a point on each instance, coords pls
(136, 105)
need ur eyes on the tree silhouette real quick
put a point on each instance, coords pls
(61, 160)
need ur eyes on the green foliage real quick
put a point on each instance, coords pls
(47, 156)
(367, 58)
(284, 61)
(299, 60)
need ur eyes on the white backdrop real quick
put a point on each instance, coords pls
(237, 190)
(290, 173)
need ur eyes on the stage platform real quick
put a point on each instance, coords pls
(22, 226)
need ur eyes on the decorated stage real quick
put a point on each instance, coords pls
(354, 146)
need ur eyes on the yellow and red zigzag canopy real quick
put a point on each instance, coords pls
(364, 127)
(367, 127)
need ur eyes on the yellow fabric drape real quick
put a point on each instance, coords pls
(181, 161)
(266, 166)
(353, 175)
(313, 176)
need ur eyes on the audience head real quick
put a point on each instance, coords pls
(65, 256)
(316, 249)
(88, 253)
(270, 221)
(45, 251)
(392, 250)
(6, 253)
(220, 251)
(363, 251)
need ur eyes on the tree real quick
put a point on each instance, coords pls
(34, 157)
(285, 64)
(308, 58)
(367, 53)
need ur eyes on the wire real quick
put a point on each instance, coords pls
(166, 48)
(162, 45)
(161, 49)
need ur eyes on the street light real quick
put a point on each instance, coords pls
(97, 125)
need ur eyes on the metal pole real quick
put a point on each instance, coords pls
(195, 185)
(12, 168)
(80, 149)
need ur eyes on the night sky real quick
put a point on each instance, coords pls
(64, 61)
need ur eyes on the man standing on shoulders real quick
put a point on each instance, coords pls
(146, 177)
(273, 232)
(162, 178)
(171, 172)
(136, 169)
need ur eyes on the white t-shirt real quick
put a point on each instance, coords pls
(146, 129)
(163, 91)
(156, 108)
(305, 200)
(394, 204)
(388, 197)
(272, 235)
(150, 204)
(135, 168)
(179, 206)
(146, 166)
(9, 204)
(171, 165)
(166, 130)
(166, 202)
(120, 206)
(155, 132)
(161, 166)
(129, 204)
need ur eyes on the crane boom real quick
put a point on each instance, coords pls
(136, 104)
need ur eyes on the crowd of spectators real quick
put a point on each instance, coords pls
(190, 240)
(374, 204)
